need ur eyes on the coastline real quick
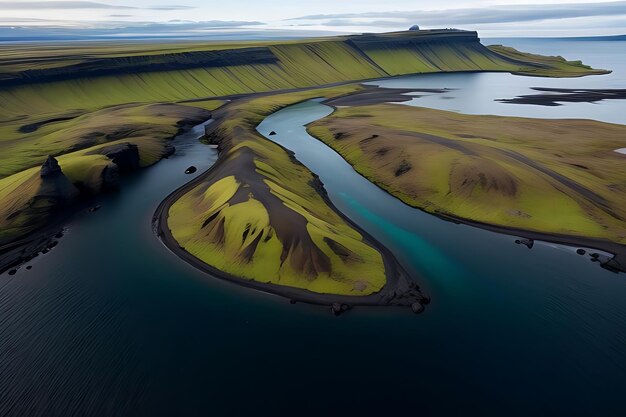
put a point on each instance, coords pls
(618, 262)
(16, 253)
(399, 290)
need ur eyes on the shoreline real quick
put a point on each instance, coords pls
(579, 242)
(16, 253)
(618, 262)
(399, 290)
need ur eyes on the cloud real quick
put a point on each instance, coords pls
(218, 31)
(170, 7)
(72, 5)
(41, 5)
(20, 28)
(467, 16)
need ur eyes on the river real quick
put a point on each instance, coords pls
(111, 323)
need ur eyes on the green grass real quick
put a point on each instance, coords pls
(299, 64)
(463, 165)
(135, 123)
(258, 216)
(437, 58)
(143, 108)
(26, 203)
(545, 66)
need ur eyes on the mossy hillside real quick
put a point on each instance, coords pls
(31, 56)
(545, 66)
(28, 203)
(81, 113)
(259, 215)
(298, 64)
(469, 167)
(28, 145)
(436, 57)
(324, 63)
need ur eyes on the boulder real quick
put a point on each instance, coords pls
(191, 170)
(336, 309)
(272, 133)
(417, 307)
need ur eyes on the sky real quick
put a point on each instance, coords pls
(278, 18)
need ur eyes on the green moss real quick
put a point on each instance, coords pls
(259, 217)
(136, 123)
(82, 114)
(475, 170)
(545, 66)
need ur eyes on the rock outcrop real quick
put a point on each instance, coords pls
(50, 168)
(124, 155)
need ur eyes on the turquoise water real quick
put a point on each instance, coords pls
(110, 323)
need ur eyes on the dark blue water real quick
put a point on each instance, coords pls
(110, 323)
(515, 323)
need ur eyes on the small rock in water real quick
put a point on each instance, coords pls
(29, 267)
(13, 272)
(292, 301)
(59, 235)
(417, 307)
(272, 133)
(529, 243)
(581, 251)
(191, 170)
(95, 208)
(338, 308)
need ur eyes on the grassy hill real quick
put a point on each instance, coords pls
(68, 102)
(259, 214)
(536, 174)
